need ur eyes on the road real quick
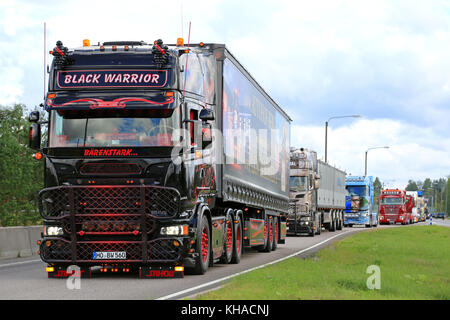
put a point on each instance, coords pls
(27, 279)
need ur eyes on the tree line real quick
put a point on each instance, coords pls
(437, 192)
(21, 176)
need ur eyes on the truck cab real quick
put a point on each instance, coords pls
(359, 201)
(393, 208)
(303, 183)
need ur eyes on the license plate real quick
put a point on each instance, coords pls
(109, 255)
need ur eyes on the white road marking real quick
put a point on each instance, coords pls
(18, 263)
(183, 292)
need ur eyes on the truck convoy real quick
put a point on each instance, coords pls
(419, 210)
(359, 202)
(164, 157)
(317, 194)
(395, 207)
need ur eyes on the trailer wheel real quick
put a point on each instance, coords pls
(268, 229)
(340, 223)
(275, 233)
(228, 240)
(238, 241)
(203, 247)
(333, 224)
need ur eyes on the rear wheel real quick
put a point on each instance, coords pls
(237, 243)
(228, 240)
(268, 234)
(333, 224)
(275, 233)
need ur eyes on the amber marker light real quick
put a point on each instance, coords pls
(38, 156)
(86, 43)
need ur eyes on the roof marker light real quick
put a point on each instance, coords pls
(86, 43)
(180, 42)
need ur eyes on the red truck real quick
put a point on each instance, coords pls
(395, 206)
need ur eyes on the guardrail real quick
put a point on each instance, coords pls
(19, 241)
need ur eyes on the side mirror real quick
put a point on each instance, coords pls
(35, 136)
(317, 176)
(316, 184)
(33, 116)
(206, 114)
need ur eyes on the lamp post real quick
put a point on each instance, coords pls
(365, 171)
(326, 130)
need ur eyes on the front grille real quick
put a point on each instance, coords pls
(102, 168)
(157, 202)
(158, 250)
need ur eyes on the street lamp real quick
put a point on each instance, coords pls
(365, 171)
(326, 130)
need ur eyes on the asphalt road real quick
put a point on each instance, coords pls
(26, 278)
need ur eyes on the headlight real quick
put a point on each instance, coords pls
(53, 231)
(180, 230)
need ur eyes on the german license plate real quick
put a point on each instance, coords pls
(109, 255)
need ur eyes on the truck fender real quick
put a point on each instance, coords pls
(200, 210)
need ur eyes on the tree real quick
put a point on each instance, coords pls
(412, 186)
(21, 176)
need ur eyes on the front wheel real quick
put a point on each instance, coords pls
(203, 246)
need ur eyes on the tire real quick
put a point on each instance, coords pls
(340, 223)
(333, 225)
(276, 233)
(228, 242)
(203, 247)
(238, 238)
(267, 238)
(319, 227)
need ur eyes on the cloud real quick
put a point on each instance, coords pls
(386, 60)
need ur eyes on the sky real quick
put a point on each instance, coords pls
(385, 60)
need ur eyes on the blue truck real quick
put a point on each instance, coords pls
(359, 202)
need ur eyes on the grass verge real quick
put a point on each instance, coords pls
(414, 264)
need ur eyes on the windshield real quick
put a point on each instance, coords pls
(111, 128)
(298, 183)
(356, 191)
(391, 200)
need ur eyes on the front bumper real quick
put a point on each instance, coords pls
(357, 219)
(124, 219)
(296, 227)
(162, 250)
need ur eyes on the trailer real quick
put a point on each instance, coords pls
(160, 159)
(317, 194)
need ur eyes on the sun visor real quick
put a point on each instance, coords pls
(97, 100)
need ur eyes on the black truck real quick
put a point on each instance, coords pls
(159, 158)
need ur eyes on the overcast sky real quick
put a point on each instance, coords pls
(387, 60)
